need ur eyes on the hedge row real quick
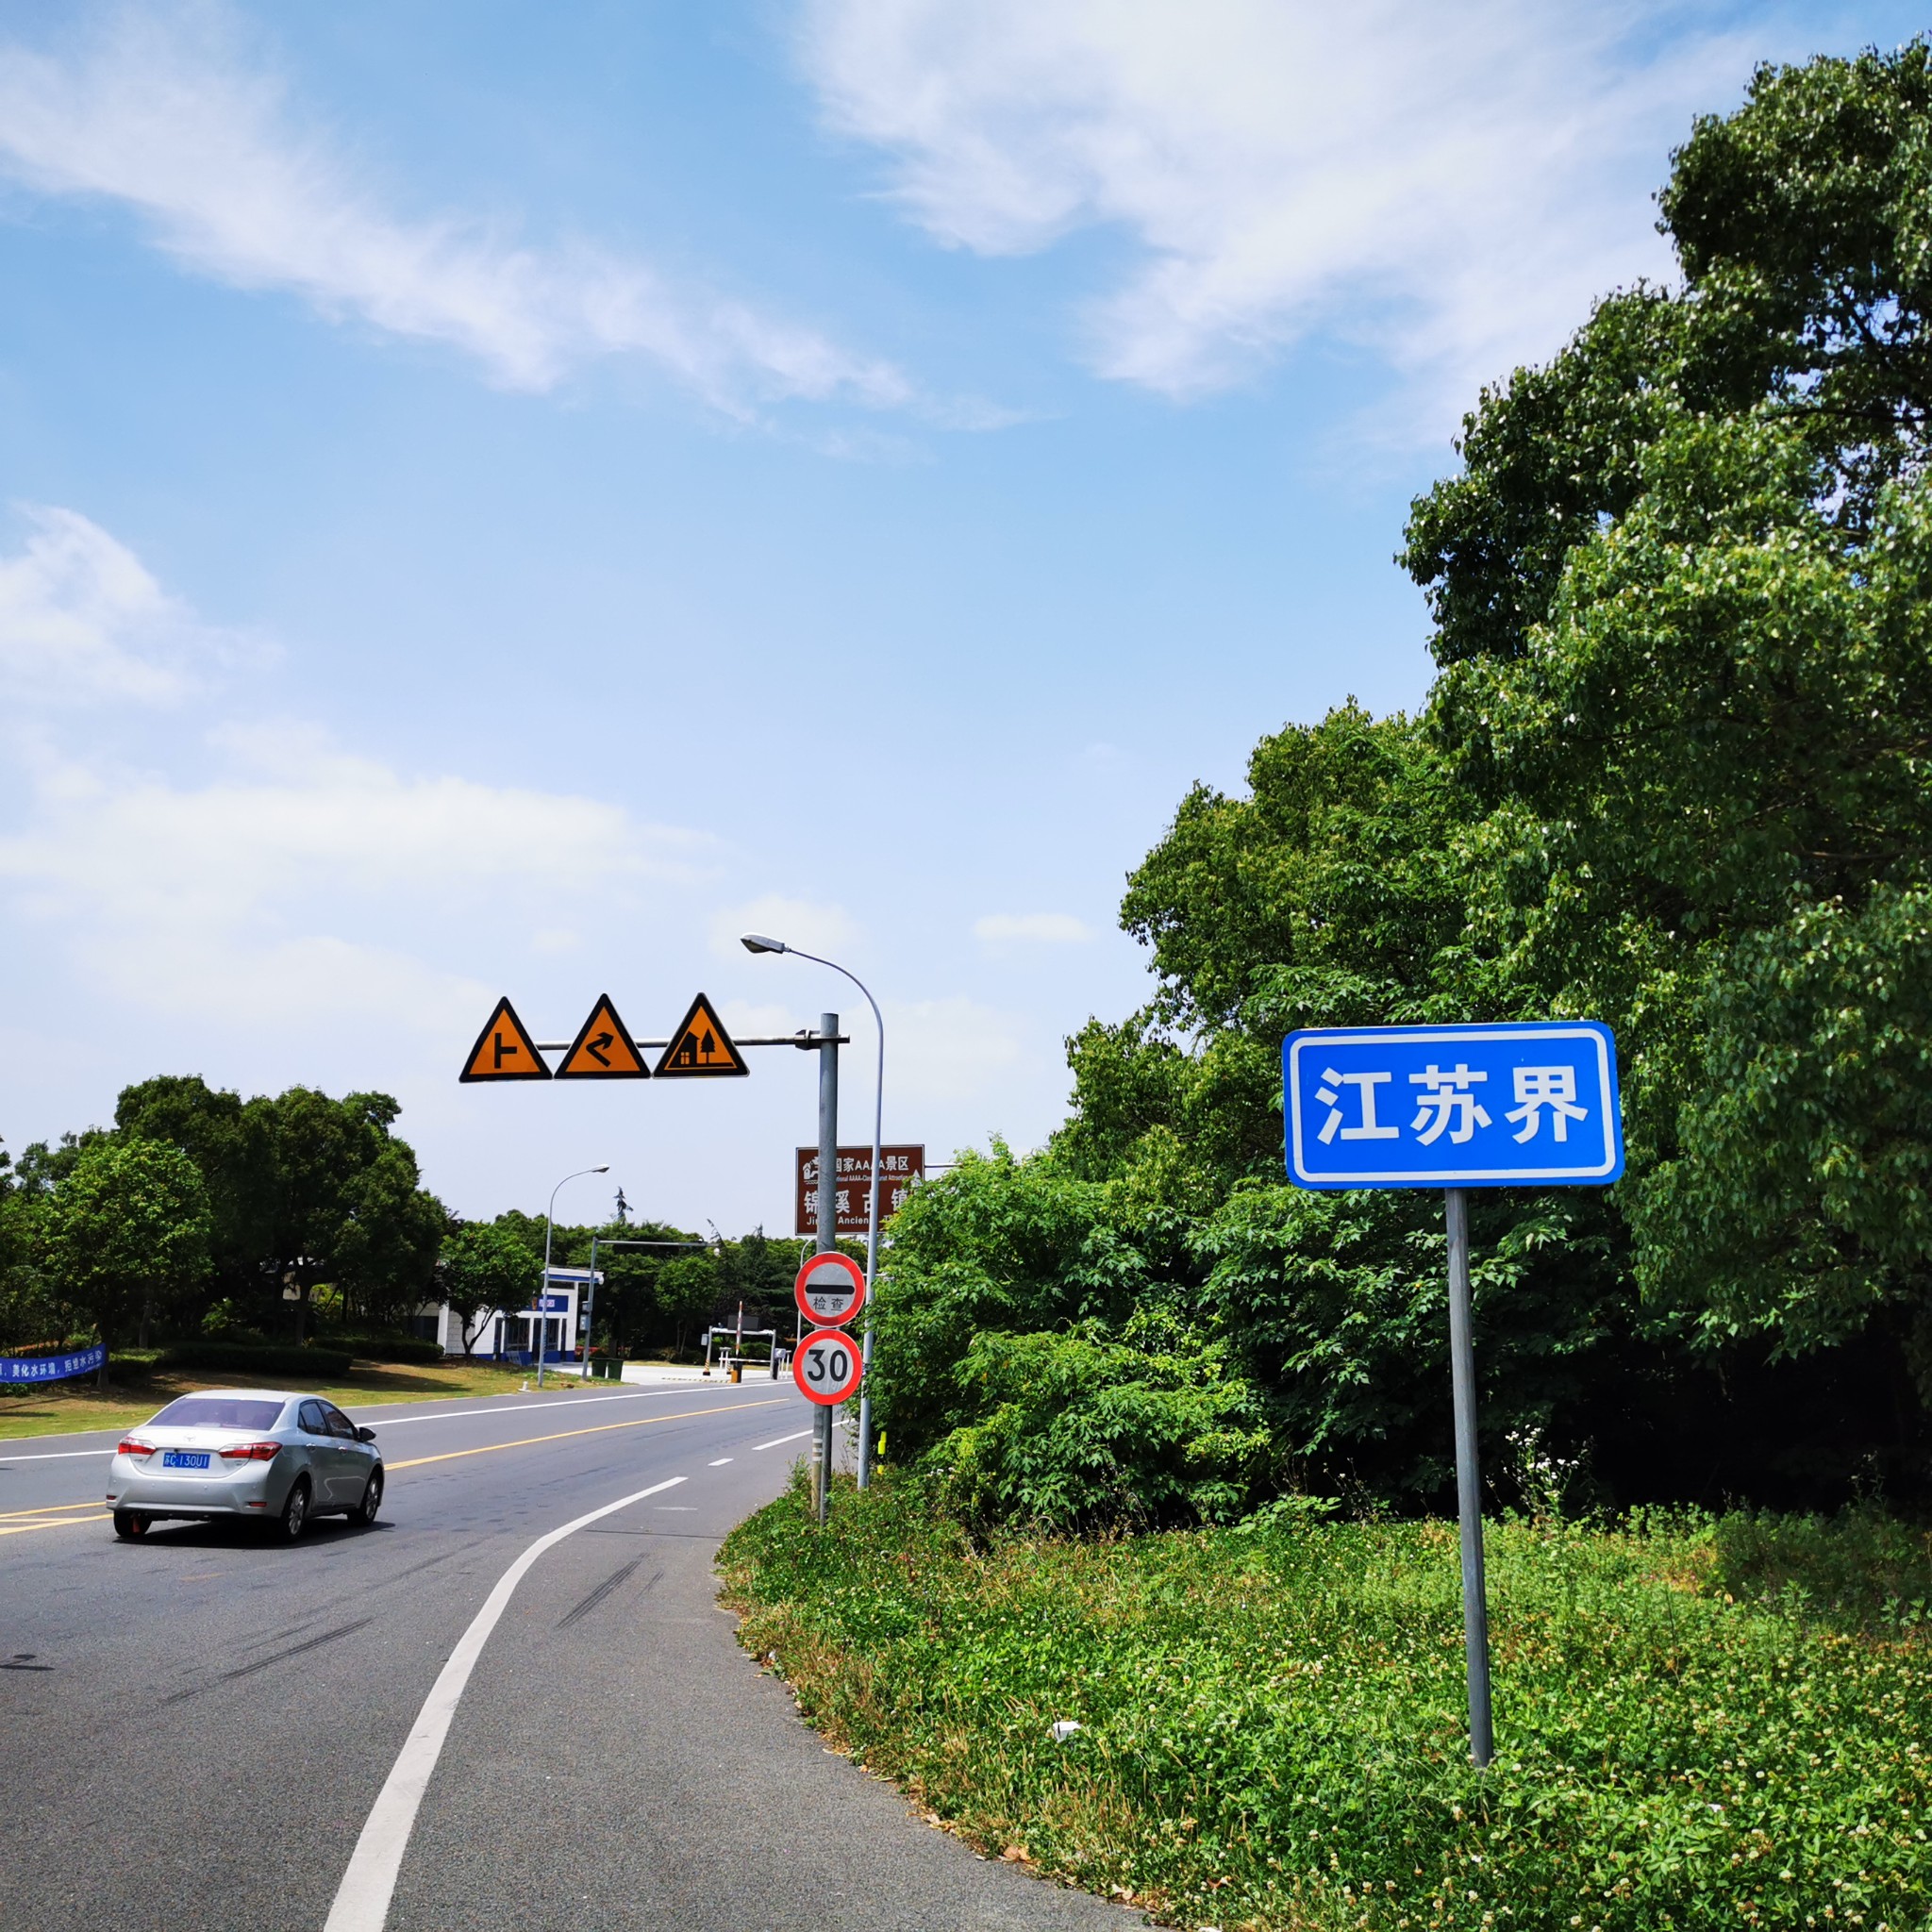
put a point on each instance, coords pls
(267, 1358)
(387, 1348)
(255, 1357)
(240, 1357)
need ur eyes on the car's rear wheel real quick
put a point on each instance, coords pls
(295, 1517)
(130, 1525)
(371, 1500)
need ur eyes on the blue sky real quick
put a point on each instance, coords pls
(500, 499)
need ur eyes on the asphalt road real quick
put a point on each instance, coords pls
(197, 1726)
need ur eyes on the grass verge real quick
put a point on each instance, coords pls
(55, 1408)
(1700, 1724)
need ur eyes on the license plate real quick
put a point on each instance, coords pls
(185, 1458)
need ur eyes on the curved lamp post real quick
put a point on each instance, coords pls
(758, 943)
(541, 1316)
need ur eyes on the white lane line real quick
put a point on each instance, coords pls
(457, 1415)
(58, 1455)
(719, 1464)
(362, 1902)
(797, 1435)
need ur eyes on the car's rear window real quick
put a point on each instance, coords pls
(217, 1412)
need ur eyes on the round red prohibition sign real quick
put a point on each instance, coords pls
(830, 1289)
(826, 1366)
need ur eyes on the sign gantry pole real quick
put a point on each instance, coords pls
(828, 1230)
(1469, 1488)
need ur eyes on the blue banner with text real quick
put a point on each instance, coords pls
(50, 1367)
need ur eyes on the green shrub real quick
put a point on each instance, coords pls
(1076, 1432)
(1272, 1723)
(390, 1348)
(1862, 1569)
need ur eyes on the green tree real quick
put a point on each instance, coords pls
(1674, 773)
(1681, 594)
(27, 1312)
(231, 1141)
(484, 1267)
(687, 1294)
(126, 1234)
(348, 1210)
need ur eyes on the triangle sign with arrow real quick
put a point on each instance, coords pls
(603, 1049)
(700, 1046)
(504, 1050)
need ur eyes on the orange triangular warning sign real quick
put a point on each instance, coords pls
(504, 1050)
(603, 1049)
(701, 1046)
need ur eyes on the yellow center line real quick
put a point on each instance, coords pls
(51, 1510)
(596, 1429)
(60, 1522)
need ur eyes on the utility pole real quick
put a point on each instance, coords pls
(591, 1305)
(539, 1319)
(828, 1231)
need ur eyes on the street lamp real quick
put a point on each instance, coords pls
(759, 942)
(539, 1319)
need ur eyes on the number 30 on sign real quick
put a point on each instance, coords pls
(826, 1366)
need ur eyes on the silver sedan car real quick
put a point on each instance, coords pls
(261, 1454)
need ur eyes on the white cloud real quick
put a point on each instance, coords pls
(265, 882)
(163, 111)
(1034, 928)
(259, 884)
(82, 620)
(1449, 186)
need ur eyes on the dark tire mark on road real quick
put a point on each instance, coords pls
(617, 1579)
(262, 1663)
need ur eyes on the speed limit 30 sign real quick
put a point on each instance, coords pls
(826, 1366)
(830, 1289)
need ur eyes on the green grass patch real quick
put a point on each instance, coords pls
(1699, 1724)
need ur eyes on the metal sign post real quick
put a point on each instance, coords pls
(1469, 1488)
(1528, 1105)
(828, 1234)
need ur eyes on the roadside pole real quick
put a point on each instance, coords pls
(828, 1231)
(589, 1310)
(1469, 1492)
(540, 1321)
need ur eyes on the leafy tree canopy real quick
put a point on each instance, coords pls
(126, 1231)
(1673, 775)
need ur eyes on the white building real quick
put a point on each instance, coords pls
(508, 1333)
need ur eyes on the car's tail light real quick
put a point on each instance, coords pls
(130, 1447)
(252, 1452)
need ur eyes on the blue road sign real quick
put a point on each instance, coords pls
(1530, 1104)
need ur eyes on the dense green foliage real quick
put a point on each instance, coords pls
(1272, 1715)
(485, 1267)
(1674, 775)
(300, 1195)
(125, 1235)
(301, 1217)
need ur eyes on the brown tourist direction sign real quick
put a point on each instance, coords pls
(899, 1167)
